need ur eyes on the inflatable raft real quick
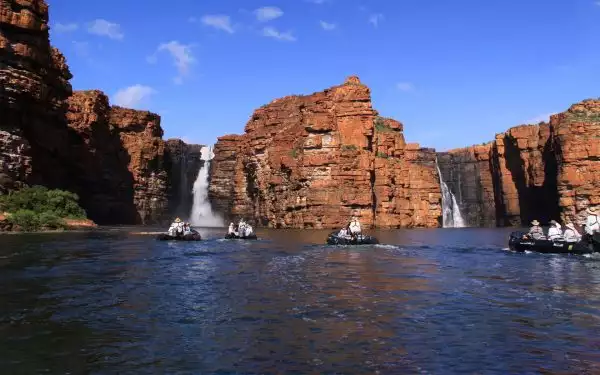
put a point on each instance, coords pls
(232, 236)
(518, 241)
(334, 239)
(194, 236)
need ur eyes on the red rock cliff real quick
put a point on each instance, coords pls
(576, 134)
(111, 157)
(313, 161)
(545, 171)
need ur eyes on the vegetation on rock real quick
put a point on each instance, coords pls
(37, 208)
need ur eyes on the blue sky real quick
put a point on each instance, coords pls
(454, 72)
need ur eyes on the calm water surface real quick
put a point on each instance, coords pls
(439, 301)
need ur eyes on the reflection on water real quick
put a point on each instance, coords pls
(448, 301)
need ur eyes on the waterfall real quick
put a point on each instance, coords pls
(202, 215)
(450, 211)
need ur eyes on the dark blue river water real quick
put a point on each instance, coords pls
(440, 301)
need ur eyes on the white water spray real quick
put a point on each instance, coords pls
(202, 215)
(450, 211)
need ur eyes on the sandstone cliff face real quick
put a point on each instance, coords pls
(141, 136)
(313, 161)
(577, 143)
(468, 173)
(34, 80)
(113, 158)
(544, 172)
(183, 164)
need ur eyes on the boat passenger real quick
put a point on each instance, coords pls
(536, 232)
(241, 227)
(176, 228)
(571, 234)
(554, 232)
(187, 229)
(592, 223)
(248, 230)
(231, 229)
(343, 233)
(354, 227)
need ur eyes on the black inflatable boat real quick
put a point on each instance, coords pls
(361, 239)
(194, 236)
(231, 236)
(518, 241)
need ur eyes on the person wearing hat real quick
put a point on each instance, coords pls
(176, 228)
(571, 234)
(592, 224)
(536, 232)
(354, 227)
(554, 232)
(241, 227)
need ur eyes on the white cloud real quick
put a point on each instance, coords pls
(375, 19)
(65, 27)
(218, 21)
(541, 118)
(133, 96)
(272, 32)
(182, 57)
(265, 14)
(105, 28)
(327, 26)
(405, 86)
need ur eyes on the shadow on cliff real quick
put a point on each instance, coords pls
(536, 202)
(97, 170)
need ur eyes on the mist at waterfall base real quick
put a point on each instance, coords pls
(451, 215)
(202, 214)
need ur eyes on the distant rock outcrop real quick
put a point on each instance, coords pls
(313, 161)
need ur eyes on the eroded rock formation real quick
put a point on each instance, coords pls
(545, 171)
(112, 157)
(33, 89)
(183, 164)
(313, 161)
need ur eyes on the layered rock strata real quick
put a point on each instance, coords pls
(112, 157)
(313, 161)
(184, 161)
(545, 171)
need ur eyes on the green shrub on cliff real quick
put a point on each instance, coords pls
(39, 199)
(35, 208)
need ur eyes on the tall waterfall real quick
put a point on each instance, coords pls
(451, 212)
(202, 215)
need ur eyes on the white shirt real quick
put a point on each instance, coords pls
(554, 233)
(355, 227)
(231, 228)
(592, 224)
(571, 235)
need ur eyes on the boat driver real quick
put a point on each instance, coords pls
(536, 232)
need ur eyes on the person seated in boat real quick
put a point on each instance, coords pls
(176, 228)
(248, 230)
(592, 224)
(343, 233)
(231, 230)
(536, 232)
(571, 234)
(354, 227)
(187, 229)
(241, 227)
(554, 232)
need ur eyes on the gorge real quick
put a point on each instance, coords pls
(308, 161)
